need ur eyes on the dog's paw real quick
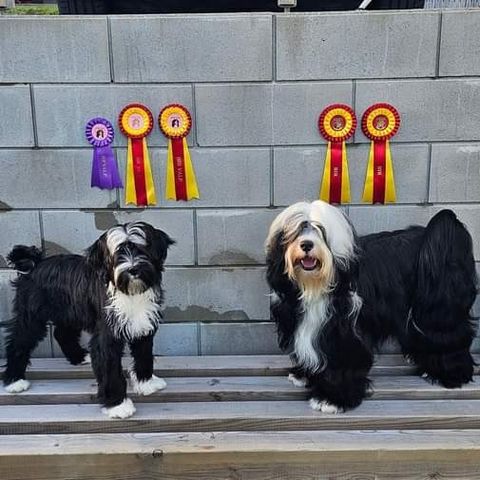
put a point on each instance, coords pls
(123, 410)
(324, 406)
(87, 360)
(147, 387)
(297, 381)
(409, 359)
(18, 386)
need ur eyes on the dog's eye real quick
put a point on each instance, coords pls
(304, 225)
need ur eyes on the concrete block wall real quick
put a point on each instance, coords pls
(255, 85)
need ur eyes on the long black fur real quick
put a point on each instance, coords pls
(418, 285)
(70, 291)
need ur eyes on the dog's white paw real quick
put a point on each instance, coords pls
(424, 375)
(147, 387)
(123, 410)
(324, 406)
(87, 360)
(18, 386)
(298, 382)
(409, 359)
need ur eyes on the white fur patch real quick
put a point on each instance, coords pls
(297, 382)
(132, 232)
(147, 387)
(134, 315)
(315, 316)
(124, 410)
(324, 406)
(87, 360)
(18, 386)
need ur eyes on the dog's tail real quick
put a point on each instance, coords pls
(24, 259)
(441, 327)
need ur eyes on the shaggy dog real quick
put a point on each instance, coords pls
(114, 292)
(337, 297)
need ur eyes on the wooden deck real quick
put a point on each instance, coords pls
(238, 418)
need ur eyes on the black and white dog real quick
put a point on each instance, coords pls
(114, 292)
(339, 296)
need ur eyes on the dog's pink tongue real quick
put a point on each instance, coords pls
(308, 262)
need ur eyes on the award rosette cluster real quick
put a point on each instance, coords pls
(380, 122)
(337, 123)
(99, 132)
(175, 123)
(136, 122)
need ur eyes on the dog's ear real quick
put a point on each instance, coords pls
(97, 254)
(159, 242)
(276, 276)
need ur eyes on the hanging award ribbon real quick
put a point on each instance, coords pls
(380, 122)
(337, 123)
(136, 122)
(99, 133)
(175, 123)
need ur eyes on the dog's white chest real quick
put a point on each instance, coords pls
(133, 316)
(315, 316)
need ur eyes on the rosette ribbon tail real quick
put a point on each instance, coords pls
(140, 189)
(181, 181)
(379, 181)
(336, 182)
(104, 169)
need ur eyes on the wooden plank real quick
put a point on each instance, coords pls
(203, 366)
(242, 416)
(205, 389)
(265, 455)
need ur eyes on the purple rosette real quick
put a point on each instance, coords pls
(99, 133)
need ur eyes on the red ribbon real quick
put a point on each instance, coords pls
(336, 172)
(179, 168)
(379, 161)
(139, 171)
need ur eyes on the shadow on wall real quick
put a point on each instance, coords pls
(72, 7)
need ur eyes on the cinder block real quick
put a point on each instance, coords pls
(232, 236)
(234, 114)
(216, 294)
(43, 49)
(238, 339)
(372, 218)
(178, 339)
(455, 173)
(226, 177)
(193, 48)
(49, 179)
(431, 110)
(16, 127)
(356, 45)
(62, 111)
(73, 231)
(298, 172)
(460, 44)
(18, 227)
(297, 107)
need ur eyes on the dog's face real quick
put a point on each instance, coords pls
(131, 255)
(308, 260)
(307, 239)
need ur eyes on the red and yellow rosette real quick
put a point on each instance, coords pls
(380, 122)
(175, 123)
(337, 123)
(136, 122)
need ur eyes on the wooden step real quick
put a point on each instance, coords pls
(297, 455)
(210, 366)
(205, 389)
(243, 416)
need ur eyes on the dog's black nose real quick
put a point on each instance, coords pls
(133, 271)
(306, 245)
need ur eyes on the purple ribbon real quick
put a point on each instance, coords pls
(99, 133)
